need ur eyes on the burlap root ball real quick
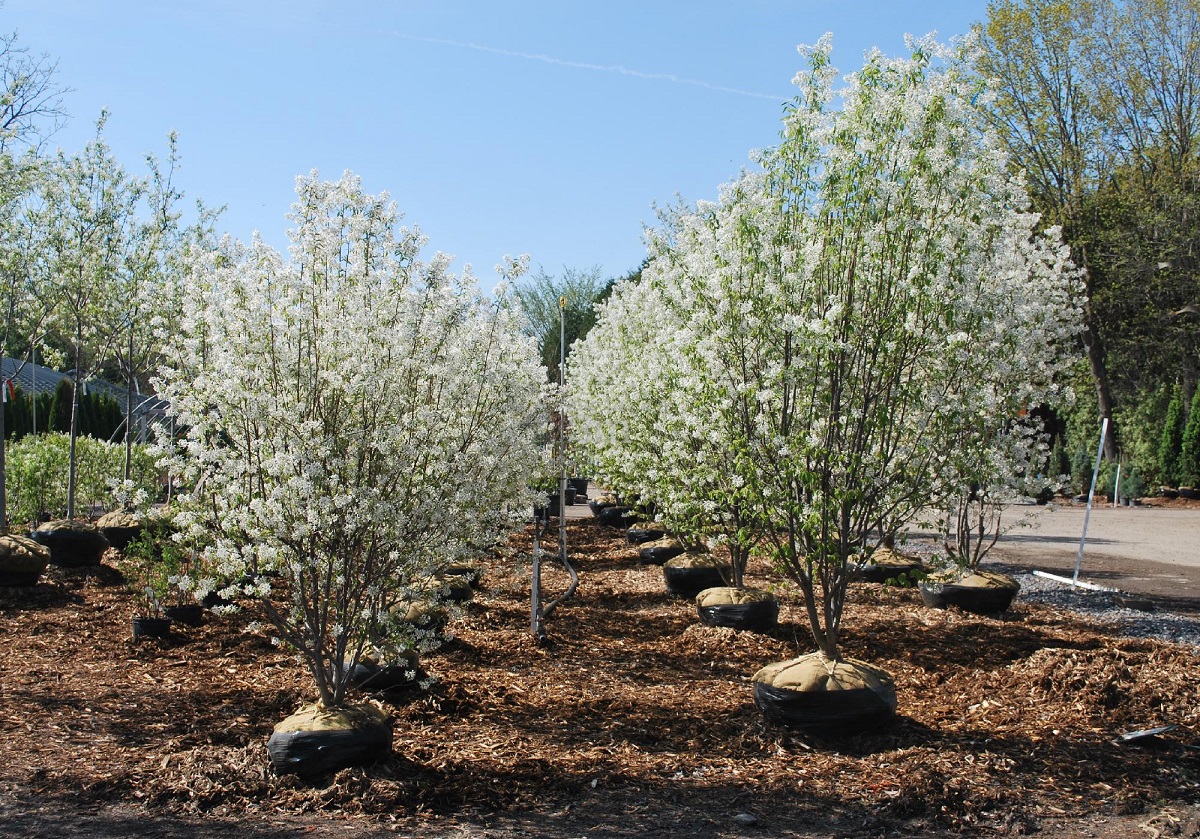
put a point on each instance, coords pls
(980, 592)
(22, 560)
(738, 608)
(72, 544)
(821, 696)
(316, 740)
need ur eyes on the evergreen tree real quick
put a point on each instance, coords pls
(1171, 442)
(58, 418)
(1189, 455)
(18, 411)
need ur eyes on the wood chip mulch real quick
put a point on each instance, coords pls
(1002, 721)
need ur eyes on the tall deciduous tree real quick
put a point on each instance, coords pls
(146, 298)
(87, 214)
(540, 297)
(1099, 102)
(31, 98)
(354, 417)
(30, 111)
(845, 338)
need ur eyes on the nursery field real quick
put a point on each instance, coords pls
(634, 721)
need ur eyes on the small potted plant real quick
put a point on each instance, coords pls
(164, 575)
(172, 567)
(151, 586)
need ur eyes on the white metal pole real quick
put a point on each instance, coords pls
(1091, 492)
(1117, 486)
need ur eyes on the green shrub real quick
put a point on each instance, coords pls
(37, 470)
(1141, 432)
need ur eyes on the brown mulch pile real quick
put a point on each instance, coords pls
(1003, 722)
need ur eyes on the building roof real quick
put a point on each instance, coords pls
(36, 379)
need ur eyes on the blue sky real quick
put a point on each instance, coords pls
(547, 128)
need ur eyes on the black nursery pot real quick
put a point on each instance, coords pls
(147, 627)
(549, 509)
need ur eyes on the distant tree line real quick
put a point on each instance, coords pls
(1098, 102)
(100, 415)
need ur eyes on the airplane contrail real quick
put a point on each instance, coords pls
(603, 68)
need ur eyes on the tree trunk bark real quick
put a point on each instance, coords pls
(129, 410)
(1104, 400)
(72, 474)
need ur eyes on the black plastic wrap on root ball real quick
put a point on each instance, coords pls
(597, 506)
(825, 712)
(658, 554)
(759, 615)
(389, 677)
(881, 573)
(688, 582)
(311, 754)
(980, 600)
(120, 537)
(621, 517)
(73, 549)
(637, 535)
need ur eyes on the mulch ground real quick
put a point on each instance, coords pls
(634, 720)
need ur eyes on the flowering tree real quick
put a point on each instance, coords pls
(87, 211)
(857, 326)
(354, 418)
(920, 313)
(667, 380)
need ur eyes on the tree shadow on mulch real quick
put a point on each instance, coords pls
(45, 595)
